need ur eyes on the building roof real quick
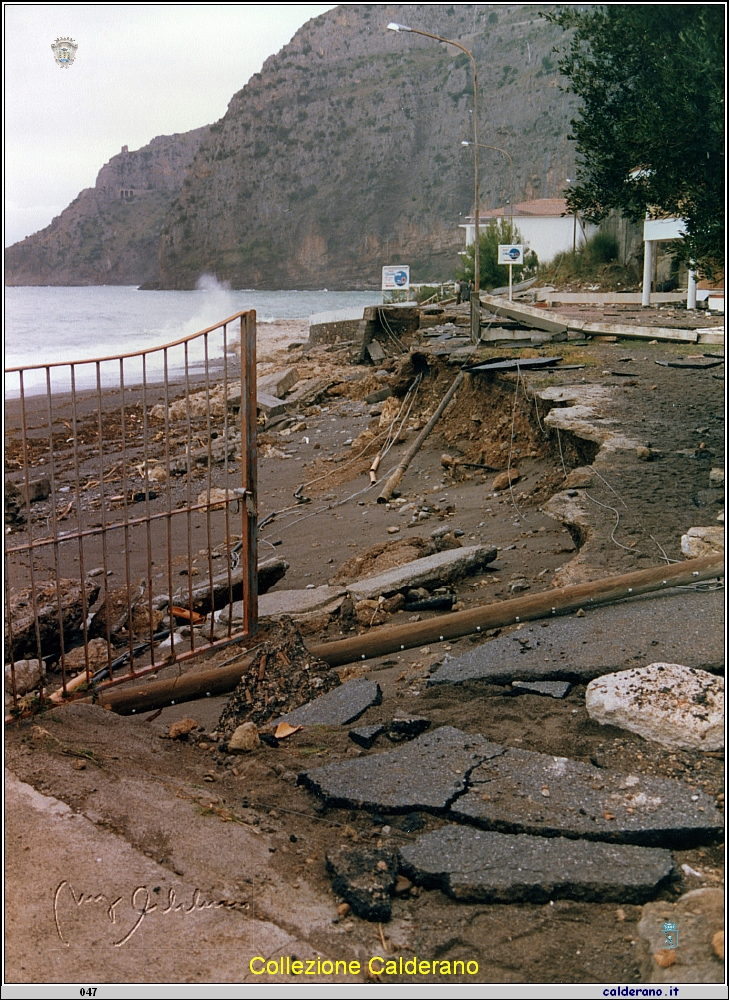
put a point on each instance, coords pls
(544, 207)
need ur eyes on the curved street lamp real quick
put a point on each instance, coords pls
(393, 26)
(498, 149)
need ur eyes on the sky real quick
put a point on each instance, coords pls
(141, 70)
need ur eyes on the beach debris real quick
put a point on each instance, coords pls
(716, 477)
(283, 729)
(364, 878)
(679, 707)
(74, 599)
(479, 866)
(394, 480)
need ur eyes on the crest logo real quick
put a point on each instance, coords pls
(64, 51)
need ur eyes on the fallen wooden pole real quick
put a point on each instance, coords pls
(394, 481)
(562, 600)
(160, 694)
(379, 642)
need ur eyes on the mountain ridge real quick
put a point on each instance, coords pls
(344, 154)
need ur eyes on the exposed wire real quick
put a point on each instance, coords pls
(617, 522)
(637, 520)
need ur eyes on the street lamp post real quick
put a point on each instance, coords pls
(511, 166)
(448, 41)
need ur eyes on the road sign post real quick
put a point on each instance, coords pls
(511, 254)
(395, 278)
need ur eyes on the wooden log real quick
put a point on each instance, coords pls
(146, 697)
(394, 481)
(562, 600)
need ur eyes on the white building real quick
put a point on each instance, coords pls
(545, 224)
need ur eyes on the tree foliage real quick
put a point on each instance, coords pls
(492, 274)
(651, 81)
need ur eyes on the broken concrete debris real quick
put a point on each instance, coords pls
(443, 567)
(343, 705)
(74, 601)
(485, 867)
(551, 689)
(675, 627)
(227, 588)
(676, 706)
(425, 774)
(365, 736)
(518, 791)
(364, 878)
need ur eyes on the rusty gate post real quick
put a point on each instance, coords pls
(249, 464)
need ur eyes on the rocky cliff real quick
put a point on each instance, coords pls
(342, 155)
(109, 234)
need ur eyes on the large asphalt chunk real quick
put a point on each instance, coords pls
(427, 773)
(364, 878)
(674, 628)
(479, 866)
(524, 792)
(338, 707)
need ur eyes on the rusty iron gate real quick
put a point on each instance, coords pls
(130, 512)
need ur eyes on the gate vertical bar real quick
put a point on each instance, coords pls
(249, 463)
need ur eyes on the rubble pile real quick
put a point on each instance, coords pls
(282, 675)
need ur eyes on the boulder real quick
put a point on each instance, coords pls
(679, 707)
(28, 674)
(244, 739)
(702, 542)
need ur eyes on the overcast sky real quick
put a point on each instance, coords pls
(141, 70)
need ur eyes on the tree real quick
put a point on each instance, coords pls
(492, 274)
(650, 128)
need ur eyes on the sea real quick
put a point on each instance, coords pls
(47, 325)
